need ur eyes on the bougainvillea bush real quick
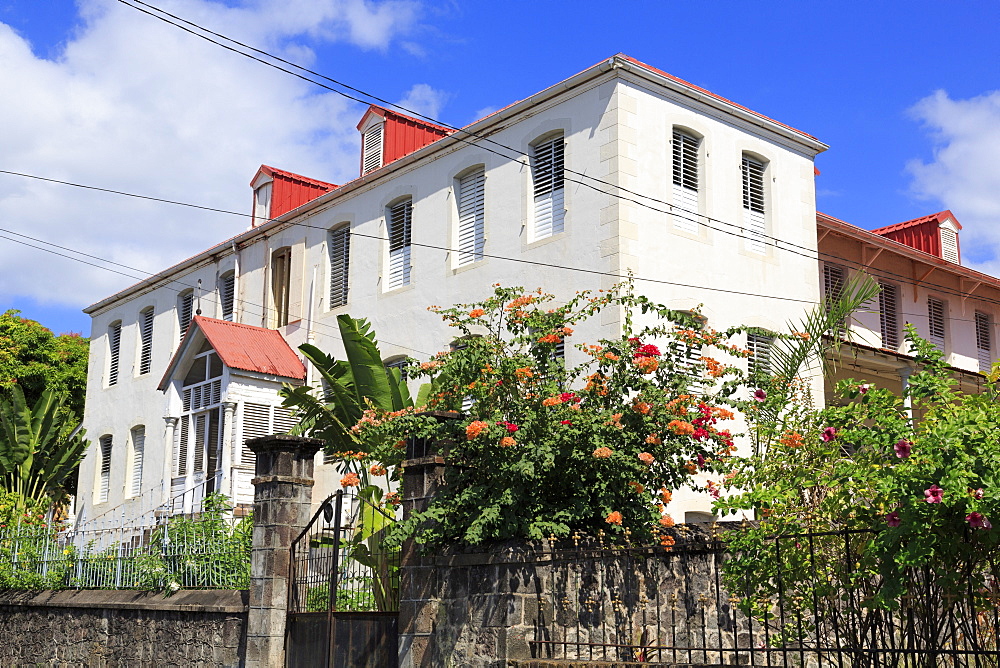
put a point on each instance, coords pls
(922, 496)
(543, 449)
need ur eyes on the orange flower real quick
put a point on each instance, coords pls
(475, 429)
(691, 467)
(567, 331)
(611, 356)
(507, 442)
(667, 542)
(550, 338)
(524, 373)
(614, 517)
(519, 302)
(666, 495)
(722, 413)
(647, 363)
(603, 452)
(551, 401)
(680, 427)
(377, 469)
(392, 498)
(653, 439)
(350, 480)
(791, 439)
(641, 407)
(646, 458)
(476, 313)
(667, 521)
(714, 368)
(802, 335)
(639, 489)
(427, 366)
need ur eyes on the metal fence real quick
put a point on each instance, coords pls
(804, 600)
(180, 552)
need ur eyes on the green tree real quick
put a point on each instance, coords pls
(39, 446)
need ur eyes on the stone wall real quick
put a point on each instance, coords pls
(99, 629)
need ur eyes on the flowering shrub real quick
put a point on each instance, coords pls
(547, 449)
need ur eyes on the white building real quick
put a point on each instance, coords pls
(619, 168)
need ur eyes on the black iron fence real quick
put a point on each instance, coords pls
(802, 600)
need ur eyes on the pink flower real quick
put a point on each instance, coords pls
(977, 521)
(864, 387)
(902, 448)
(760, 395)
(646, 458)
(830, 434)
(701, 459)
(648, 350)
(976, 494)
(569, 397)
(892, 519)
(700, 433)
(933, 494)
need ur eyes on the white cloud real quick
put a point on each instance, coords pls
(964, 174)
(424, 100)
(134, 104)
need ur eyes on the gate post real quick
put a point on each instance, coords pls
(419, 595)
(281, 504)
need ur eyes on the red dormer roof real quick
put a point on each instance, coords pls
(922, 233)
(289, 190)
(242, 347)
(402, 134)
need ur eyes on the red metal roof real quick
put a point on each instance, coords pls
(243, 347)
(922, 233)
(938, 218)
(402, 134)
(290, 191)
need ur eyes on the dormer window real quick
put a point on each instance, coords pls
(262, 204)
(949, 243)
(371, 148)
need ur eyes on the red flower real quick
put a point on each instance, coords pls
(892, 519)
(977, 521)
(933, 494)
(510, 426)
(648, 350)
(829, 434)
(569, 397)
(565, 422)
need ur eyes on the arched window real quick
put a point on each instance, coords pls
(686, 178)
(470, 199)
(185, 310)
(136, 454)
(146, 340)
(104, 469)
(754, 202)
(114, 351)
(227, 295)
(547, 187)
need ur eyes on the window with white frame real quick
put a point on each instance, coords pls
(754, 212)
(146, 340)
(185, 310)
(888, 315)
(547, 187)
(471, 216)
(371, 149)
(281, 284)
(262, 420)
(339, 243)
(984, 341)
(685, 178)
(104, 469)
(949, 244)
(262, 204)
(227, 295)
(400, 222)
(936, 322)
(760, 346)
(136, 455)
(200, 429)
(114, 351)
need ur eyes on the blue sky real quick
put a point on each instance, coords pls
(906, 95)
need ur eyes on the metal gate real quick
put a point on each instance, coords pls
(343, 598)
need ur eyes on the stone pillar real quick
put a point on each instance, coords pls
(419, 595)
(281, 504)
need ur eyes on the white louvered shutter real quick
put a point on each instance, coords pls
(685, 169)
(471, 217)
(400, 222)
(935, 321)
(760, 353)
(754, 220)
(371, 151)
(340, 264)
(185, 310)
(256, 423)
(200, 425)
(888, 313)
(547, 182)
(145, 341)
(949, 244)
(183, 437)
(284, 420)
(984, 341)
(114, 352)
(138, 452)
(262, 204)
(104, 484)
(227, 296)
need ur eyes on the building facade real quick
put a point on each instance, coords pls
(620, 168)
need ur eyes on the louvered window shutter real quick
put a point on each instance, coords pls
(181, 461)
(256, 423)
(753, 204)
(399, 364)
(146, 341)
(114, 350)
(935, 320)
(371, 152)
(340, 255)
(833, 287)
(200, 425)
(888, 313)
(760, 353)
(284, 420)
(949, 244)
(138, 451)
(227, 295)
(471, 217)
(400, 221)
(185, 310)
(105, 480)
(685, 168)
(547, 182)
(984, 341)
(262, 204)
